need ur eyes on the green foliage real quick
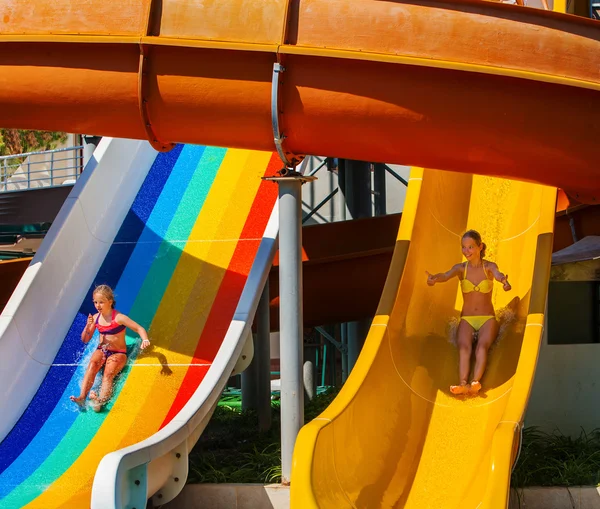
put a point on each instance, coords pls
(19, 141)
(232, 450)
(557, 460)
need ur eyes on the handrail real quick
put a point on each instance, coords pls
(16, 169)
(42, 152)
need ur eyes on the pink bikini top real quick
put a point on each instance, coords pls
(112, 328)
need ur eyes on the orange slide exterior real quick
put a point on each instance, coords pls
(468, 86)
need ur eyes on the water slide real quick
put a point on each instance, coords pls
(460, 85)
(464, 86)
(186, 239)
(395, 437)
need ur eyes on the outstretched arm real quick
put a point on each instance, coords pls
(134, 326)
(498, 276)
(442, 277)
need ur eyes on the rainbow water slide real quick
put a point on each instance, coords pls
(186, 239)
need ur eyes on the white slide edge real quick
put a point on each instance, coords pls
(32, 326)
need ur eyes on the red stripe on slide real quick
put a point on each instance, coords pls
(230, 290)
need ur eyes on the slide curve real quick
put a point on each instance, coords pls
(395, 437)
(186, 239)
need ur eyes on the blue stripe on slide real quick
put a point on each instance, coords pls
(71, 350)
(64, 416)
(62, 440)
(152, 237)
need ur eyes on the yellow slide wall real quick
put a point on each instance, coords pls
(394, 437)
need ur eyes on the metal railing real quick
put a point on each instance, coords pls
(44, 169)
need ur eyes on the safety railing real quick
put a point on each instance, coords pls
(33, 170)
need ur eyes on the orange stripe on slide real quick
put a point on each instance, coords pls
(230, 290)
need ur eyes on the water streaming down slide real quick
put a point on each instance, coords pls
(176, 235)
(395, 437)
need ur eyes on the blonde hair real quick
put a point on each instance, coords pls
(107, 292)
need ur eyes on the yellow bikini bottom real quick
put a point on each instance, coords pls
(477, 321)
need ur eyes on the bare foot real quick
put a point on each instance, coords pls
(475, 387)
(96, 407)
(80, 400)
(97, 403)
(463, 388)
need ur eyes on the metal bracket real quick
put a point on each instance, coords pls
(341, 347)
(179, 466)
(137, 486)
(143, 104)
(289, 159)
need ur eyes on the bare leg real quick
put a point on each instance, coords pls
(487, 335)
(114, 364)
(94, 366)
(465, 347)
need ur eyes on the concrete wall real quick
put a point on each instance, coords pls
(566, 390)
(315, 192)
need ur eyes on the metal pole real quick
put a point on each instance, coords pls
(342, 189)
(379, 189)
(344, 338)
(358, 189)
(250, 383)
(51, 169)
(358, 197)
(262, 357)
(290, 314)
(357, 333)
(89, 145)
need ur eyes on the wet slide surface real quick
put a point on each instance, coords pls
(178, 266)
(395, 437)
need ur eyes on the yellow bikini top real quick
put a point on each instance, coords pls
(484, 286)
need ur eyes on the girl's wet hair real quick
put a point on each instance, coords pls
(473, 234)
(107, 292)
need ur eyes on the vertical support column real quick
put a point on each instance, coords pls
(358, 197)
(250, 382)
(357, 333)
(341, 196)
(344, 338)
(262, 357)
(290, 314)
(358, 189)
(89, 145)
(379, 189)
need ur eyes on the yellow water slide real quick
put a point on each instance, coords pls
(395, 437)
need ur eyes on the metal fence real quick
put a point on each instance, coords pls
(35, 170)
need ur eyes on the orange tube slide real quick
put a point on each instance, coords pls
(468, 86)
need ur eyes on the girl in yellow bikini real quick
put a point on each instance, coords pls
(478, 316)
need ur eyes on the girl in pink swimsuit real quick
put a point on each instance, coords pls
(112, 349)
(478, 318)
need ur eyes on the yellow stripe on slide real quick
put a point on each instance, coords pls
(196, 308)
(148, 394)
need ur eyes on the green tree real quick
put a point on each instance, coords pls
(18, 141)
